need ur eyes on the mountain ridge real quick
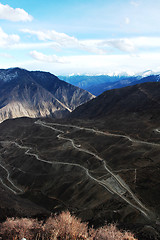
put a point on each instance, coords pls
(136, 99)
(37, 94)
(101, 83)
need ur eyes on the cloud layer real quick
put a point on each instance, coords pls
(96, 64)
(112, 42)
(63, 40)
(7, 40)
(47, 58)
(15, 15)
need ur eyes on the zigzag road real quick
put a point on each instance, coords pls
(117, 178)
(105, 133)
(27, 152)
(113, 190)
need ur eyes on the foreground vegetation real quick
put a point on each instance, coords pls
(63, 226)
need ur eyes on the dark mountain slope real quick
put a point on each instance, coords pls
(141, 99)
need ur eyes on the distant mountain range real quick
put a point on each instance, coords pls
(40, 94)
(98, 84)
(37, 94)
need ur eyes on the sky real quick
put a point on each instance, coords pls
(80, 36)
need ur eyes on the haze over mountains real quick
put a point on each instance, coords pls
(101, 83)
(37, 94)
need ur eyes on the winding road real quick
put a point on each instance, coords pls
(146, 212)
(14, 189)
(103, 133)
(116, 185)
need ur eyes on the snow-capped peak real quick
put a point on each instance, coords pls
(6, 77)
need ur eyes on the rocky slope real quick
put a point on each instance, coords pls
(37, 94)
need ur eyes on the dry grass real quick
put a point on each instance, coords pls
(19, 228)
(63, 226)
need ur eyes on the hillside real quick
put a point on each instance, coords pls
(37, 94)
(102, 164)
(139, 99)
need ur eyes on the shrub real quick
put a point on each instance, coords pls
(112, 233)
(20, 228)
(63, 226)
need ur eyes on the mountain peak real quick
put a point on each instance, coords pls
(10, 73)
(37, 94)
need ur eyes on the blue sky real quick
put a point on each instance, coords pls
(80, 36)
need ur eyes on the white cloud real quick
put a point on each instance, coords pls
(127, 20)
(65, 41)
(93, 64)
(47, 58)
(134, 3)
(107, 46)
(15, 15)
(148, 42)
(102, 64)
(37, 45)
(6, 55)
(124, 44)
(8, 40)
(61, 41)
(130, 45)
(93, 46)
